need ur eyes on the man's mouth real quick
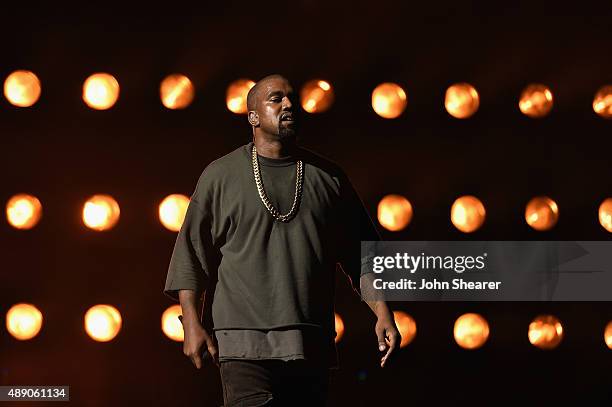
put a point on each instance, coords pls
(287, 118)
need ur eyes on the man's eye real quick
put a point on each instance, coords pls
(276, 99)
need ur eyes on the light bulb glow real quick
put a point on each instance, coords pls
(461, 100)
(602, 103)
(176, 91)
(536, 101)
(545, 332)
(23, 211)
(101, 212)
(172, 211)
(236, 95)
(394, 212)
(541, 213)
(171, 325)
(22, 88)
(23, 321)
(317, 96)
(406, 326)
(102, 322)
(100, 91)
(339, 326)
(389, 100)
(468, 214)
(471, 331)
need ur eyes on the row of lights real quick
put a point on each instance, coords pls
(102, 323)
(101, 212)
(101, 91)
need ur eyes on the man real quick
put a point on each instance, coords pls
(264, 231)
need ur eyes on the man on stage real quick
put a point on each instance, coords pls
(265, 229)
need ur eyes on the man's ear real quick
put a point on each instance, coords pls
(253, 118)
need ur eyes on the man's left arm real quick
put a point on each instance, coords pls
(356, 264)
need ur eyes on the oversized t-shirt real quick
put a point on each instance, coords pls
(266, 274)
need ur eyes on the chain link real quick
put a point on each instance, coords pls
(264, 197)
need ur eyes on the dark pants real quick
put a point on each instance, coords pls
(250, 383)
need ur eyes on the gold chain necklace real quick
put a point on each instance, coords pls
(264, 198)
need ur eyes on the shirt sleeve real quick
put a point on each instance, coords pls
(355, 226)
(189, 267)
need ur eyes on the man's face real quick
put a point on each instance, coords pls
(275, 108)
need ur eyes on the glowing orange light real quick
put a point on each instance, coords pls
(100, 212)
(171, 325)
(468, 213)
(471, 331)
(394, 212)
(406, 326)
(236, 95)
(389, 100)
(608, 335)
(317, 96)
(22, 88)
(602, 103)
(339, 327)
(23, 321)
(536, 100)
(605, 214)
(545, 332)
(23, 211)
(172, 211)
(100, 91)
(542, 213)
(102, 322)
(176, 91)
(461, 100)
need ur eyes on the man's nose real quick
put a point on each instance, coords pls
(287, 103)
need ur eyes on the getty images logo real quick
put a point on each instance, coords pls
(404, 261)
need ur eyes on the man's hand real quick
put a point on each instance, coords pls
(197, 339)
(388, 336)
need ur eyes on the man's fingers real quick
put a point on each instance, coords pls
(393, 342)
(380, 334)
(197, 361)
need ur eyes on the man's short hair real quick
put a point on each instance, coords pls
(253, 94)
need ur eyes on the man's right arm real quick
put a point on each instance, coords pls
(196, 337)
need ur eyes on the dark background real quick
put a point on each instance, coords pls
(62, 151)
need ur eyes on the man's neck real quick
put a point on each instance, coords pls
(275, 148)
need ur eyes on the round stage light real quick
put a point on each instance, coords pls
(102, 322)
(317, 96)
(24, 321)
(545, 332)
(176, 91)
(406, 326)
(100, 212)
(100, 91)
(608, 335)
(171, 325)
(471, 331)
(394, 212)
(468, 213)
(339, 325)
(389, 100)
(536, 100)
(23, 211)
(22, 88)
(236, 95)
(172, 211)
(602, 103)
(605, 214)
(542, 213)
(461, 100)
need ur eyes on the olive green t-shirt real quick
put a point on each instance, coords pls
(266, 274)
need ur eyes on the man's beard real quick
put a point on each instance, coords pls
(286, 132)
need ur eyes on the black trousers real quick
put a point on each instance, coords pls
(250, 383)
